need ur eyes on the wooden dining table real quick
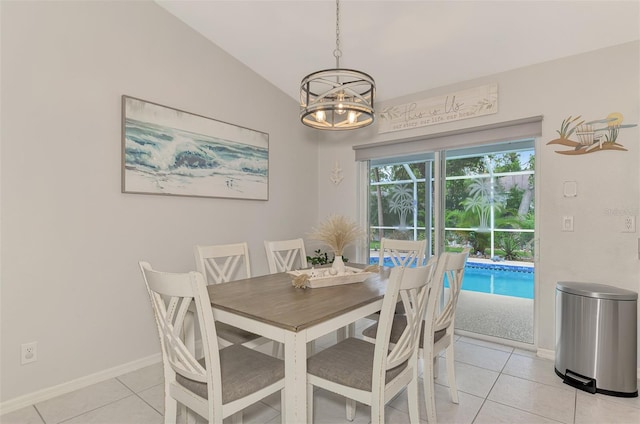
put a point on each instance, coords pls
(270, 306)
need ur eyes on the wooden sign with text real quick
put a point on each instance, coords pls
(464, 104)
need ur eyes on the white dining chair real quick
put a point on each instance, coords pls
(373, 373)
(441, 323)
(285, 255)
(438, 328)
(223, 382)
(403, 252)
(220, 264)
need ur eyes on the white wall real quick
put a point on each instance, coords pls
(592, 85)
(70, 239)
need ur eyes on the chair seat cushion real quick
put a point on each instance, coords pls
(233, 334)
(350, 363)
(398, 326)
(244, 371)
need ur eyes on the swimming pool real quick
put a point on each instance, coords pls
(505, 280)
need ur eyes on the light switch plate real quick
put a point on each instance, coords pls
(629, 224)
(567, 223)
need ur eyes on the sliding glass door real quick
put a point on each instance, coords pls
(480, 198)
(489, 208)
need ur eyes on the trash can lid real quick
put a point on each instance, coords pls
(598, 291)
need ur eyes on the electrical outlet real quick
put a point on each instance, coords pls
(29, 352)
(629, 224)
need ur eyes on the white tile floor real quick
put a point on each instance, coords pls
(496, 384)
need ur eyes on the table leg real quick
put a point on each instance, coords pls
(295, 376)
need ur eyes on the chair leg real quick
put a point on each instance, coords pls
(275, 351)
(377, 411)
(451, 373)
(283, 418)
(171, 408)
(309, 404)
(429, 389)
(182, 414)
(351, 409)
(342, 334)
(414, 402)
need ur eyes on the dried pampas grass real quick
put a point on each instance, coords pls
(338, 232)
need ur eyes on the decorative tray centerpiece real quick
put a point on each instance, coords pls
(326, 277)
(336, 232)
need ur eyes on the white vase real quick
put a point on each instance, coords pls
(338, 265)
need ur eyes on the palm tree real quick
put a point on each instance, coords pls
(401, 203)
(483, 197)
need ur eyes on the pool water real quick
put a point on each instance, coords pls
(505, 280)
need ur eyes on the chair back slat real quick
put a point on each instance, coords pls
(223, 263)
(285, 260)
(285, 255)
(181, 360)
(404, 253)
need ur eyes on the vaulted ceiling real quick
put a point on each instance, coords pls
(407, 46)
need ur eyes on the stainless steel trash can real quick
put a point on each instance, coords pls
(596, 338)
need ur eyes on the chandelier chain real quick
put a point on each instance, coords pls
(337, 52)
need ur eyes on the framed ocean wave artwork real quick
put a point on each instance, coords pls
(173, 152)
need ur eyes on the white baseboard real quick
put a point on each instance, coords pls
(79, 383)
(546, 354)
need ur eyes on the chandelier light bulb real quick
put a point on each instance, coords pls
(340, 110)
(321, 116)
